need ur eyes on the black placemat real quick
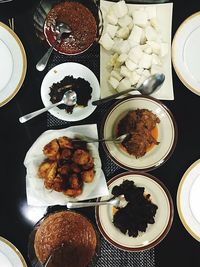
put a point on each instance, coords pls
(110, 256)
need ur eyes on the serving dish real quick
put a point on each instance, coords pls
(13, 64)
(164, 18)
(167, 133)
(154, 232)
(188, 200)
(78, 243)
(43, 9)
(37, 194)
(185, 52)
(9, 255)
(76, 70)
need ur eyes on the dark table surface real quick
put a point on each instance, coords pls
(16, 139)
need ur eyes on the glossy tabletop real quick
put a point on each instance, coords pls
(16, 218)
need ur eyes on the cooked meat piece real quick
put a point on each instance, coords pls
(88, 176)
(56, 184)
(64, 170)
(128, 123)
(74, 182)
(66, 154)
(89, 165)
(148, 118)
(73, 192)
(75, 168)
(81, 157)
(43, 169)
(51, 150)
(65, 142)
(79, 144)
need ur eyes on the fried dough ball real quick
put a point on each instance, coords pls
(56, 184)
(73, 192)
(88, 176)
(64, 170)
(51, 150)
(43, 169)
(51, 172)
(74, 182)
(89, 165)
(75, 168)
(65, 142)
(81, 157)
(66, 154)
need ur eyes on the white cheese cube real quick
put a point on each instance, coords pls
(122, 58)
(147, 49)
(116, 74)
(145, 61)
(146, 73)
(125, 47)
(123, 32)
(113, 82)
(135, 54)
(156, 60)
(117, 45)
(123, 85)
(111, 17)
(136, 34)
(125, 21)
(120, 8)
(140, 18)
(151, 12)
(113, 60)
(111, 30)
(151, 33)
(130, 64)
(143, 38)
(156, 69)
(125, 72)
(139, 71)
(155, 47)
(106, 41)
(154, 23)
(134, 78)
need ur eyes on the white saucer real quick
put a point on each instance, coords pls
(10, 255)
(6, 65)
(186, 53)
(188, 199)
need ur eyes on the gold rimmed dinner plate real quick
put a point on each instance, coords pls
(156, 232)
(13, 64)
(186, 53)
(10, 256)
(188, 199)
(167, 133)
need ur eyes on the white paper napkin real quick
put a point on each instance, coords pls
(37, 194)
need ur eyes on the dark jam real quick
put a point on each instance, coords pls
(81, 22)
(79, 85)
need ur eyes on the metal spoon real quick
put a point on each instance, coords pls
(69, 99)
(60, 28)
(118, 202)
(149, 86)
(87, 139)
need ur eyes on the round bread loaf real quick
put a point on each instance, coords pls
(69, 237)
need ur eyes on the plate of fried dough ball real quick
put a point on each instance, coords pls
(62, 167)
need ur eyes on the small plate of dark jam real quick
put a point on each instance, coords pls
(70, 76)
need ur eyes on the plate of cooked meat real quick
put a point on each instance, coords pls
(151, 129)
(62, 167)
(145, 217)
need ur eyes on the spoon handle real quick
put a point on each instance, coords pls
(76, 205)
(31, 115)
(41, 65)
(108, 98)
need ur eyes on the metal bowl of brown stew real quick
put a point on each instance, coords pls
(83, 17)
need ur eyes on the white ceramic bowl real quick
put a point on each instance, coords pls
(167, 133)
(55, 75)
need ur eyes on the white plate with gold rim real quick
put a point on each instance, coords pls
(167, 133)
(10, 256)
(12, 64)
(188, 199)
(156, 232)
(186, 53)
